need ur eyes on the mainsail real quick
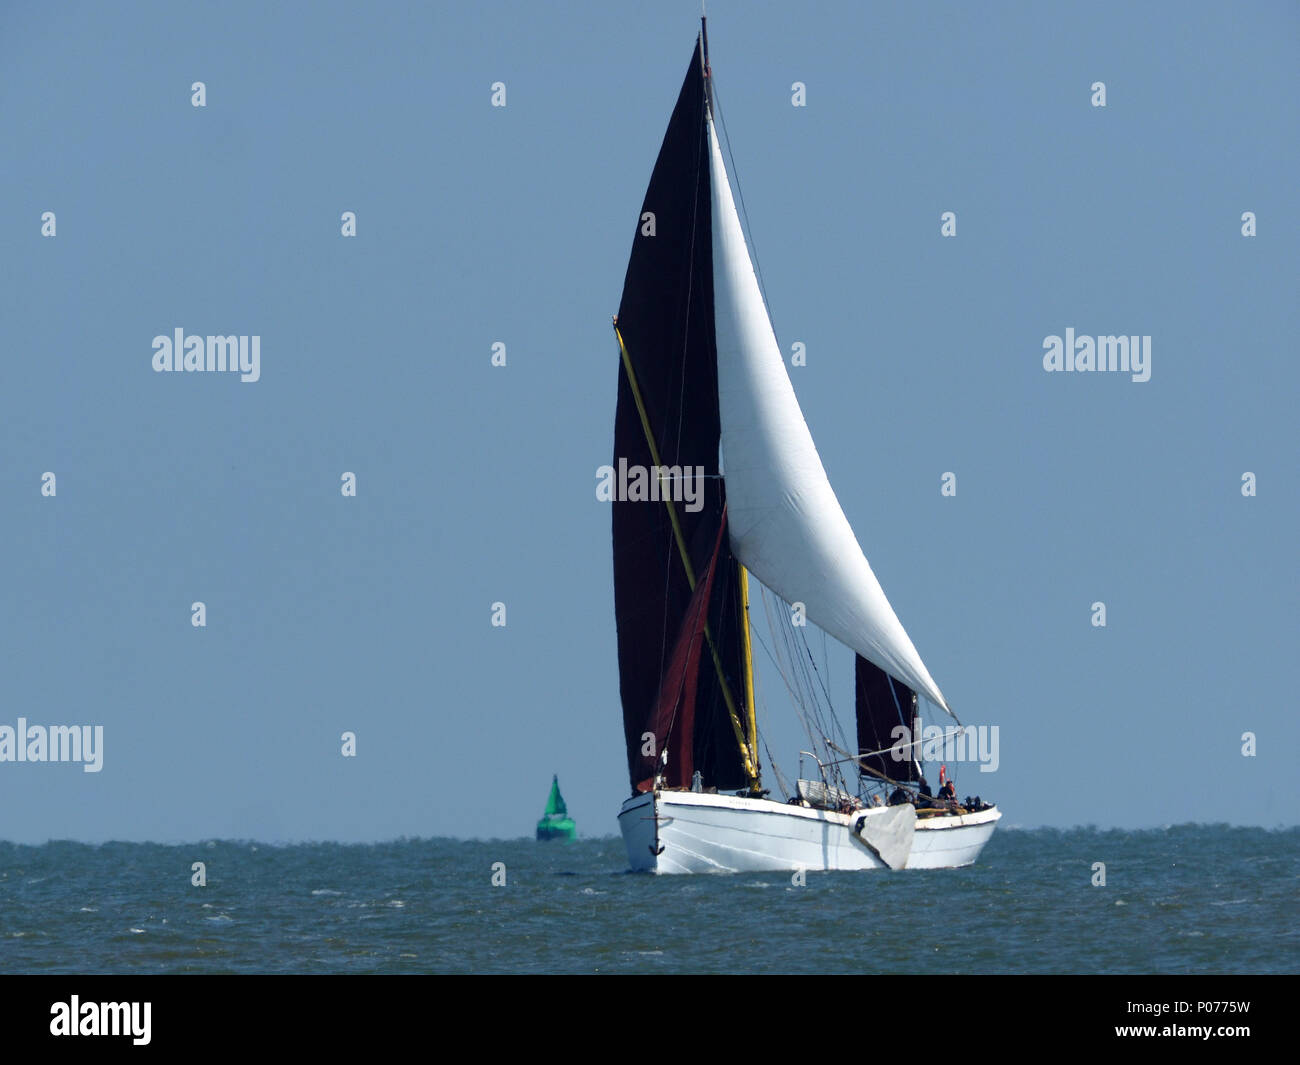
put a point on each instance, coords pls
(787, 526)
(668, 417)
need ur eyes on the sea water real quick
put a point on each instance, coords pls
(1183, 899)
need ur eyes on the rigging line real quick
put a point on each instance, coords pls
(763, 644)
(753, 246)
(804, 662)
(816, 708)
(794, 674)
(915, 743)
(826, 714)
(772, 652)
(782, 630)
(813, 662)
(794, 638)
(808, 708)
(781, 781)
(796, 697)
(907, 786)
(828, 720)
(792, 689)
(826, 662)
(785, 665)
(800, 715)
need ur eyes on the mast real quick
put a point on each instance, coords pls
(667, 426)
(748, 738)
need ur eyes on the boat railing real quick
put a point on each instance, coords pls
(821, 769)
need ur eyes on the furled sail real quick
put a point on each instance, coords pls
(882, 704)
(787, 526)
(668, 415)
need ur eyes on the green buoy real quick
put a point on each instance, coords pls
(556, 822)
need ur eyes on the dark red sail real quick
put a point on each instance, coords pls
(672, 722)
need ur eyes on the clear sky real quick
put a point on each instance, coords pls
(476, 484)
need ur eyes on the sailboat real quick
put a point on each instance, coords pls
(555, 822)
(716, 478)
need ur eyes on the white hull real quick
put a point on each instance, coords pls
(692, 832)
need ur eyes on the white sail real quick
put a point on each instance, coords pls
(787, 526)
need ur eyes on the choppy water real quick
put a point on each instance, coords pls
(1187, 899)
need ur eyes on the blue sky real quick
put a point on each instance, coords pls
(476, 483)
